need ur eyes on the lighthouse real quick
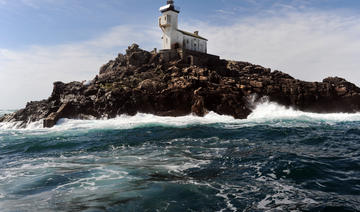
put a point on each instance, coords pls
(173, 37)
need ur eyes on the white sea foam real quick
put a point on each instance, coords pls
(263, 113)
(16, 125)
(9, 125)
(273, 111)
(141, 119)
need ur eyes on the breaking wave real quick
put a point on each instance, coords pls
(263, 113)
(273, 111)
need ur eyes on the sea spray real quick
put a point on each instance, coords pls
(269, 111)
(264, 112)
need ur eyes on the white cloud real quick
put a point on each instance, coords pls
(309, 46)
(27, 75)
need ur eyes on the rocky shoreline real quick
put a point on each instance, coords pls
(149, 82)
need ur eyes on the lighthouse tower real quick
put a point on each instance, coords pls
(168, 23)
(172, 37)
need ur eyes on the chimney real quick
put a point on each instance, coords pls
(170, 2)
(196, 32)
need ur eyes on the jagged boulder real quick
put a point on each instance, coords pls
(136, 56)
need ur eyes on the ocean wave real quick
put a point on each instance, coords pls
(263, 113)
(16, 125)
(272, 111)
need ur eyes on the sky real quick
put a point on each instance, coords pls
(43, 41)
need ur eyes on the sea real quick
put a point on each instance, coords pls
(278, 159)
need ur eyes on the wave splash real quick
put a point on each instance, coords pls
(263, 113)
(273, 111)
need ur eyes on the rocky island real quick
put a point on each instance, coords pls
(181, 82)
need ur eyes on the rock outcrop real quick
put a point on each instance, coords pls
(145, 82)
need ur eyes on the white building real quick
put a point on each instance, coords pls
(173, 38)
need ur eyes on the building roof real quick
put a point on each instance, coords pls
(192, 34)
(169, 7)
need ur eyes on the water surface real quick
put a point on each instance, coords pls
(276, 160)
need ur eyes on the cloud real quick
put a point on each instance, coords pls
(28, 74)
(308, 45)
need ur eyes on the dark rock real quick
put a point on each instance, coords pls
(146, 82)
(62, 112)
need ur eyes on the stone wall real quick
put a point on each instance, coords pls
(167, 55)
(189, 57)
